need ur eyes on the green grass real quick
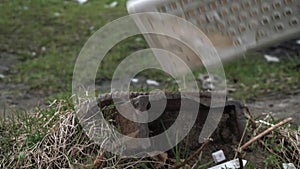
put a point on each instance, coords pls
(22, 134)
(253, 76)
(25, 32)
(23, 130)
(62, 28)
(29, 133)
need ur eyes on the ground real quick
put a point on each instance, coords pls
(280, 105)
(40, 40)
(16, 96)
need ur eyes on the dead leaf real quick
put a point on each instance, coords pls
(98, 161)
(163, 157)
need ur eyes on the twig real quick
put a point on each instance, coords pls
(238, 154)
(241, 141)
(192, 156)
(264, 133)
(250, 118)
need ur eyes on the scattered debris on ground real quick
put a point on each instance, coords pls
(270, 58)
(65, 145)
(112, 4)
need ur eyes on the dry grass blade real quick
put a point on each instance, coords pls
(193, 155)
(283, 143)
(64, 147)
(264, 133)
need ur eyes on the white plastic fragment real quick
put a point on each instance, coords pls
(25, 8)
(134, 80)
(112, 5)
(82, 1)
(233, 164)
(177, 81)
(218, 156)
(298, 42)
(231, 89)
(152, 82)
(288, 166)
(56, 14)
(270, 58)
(43, 49)
(2, 76)
(209, 82)
(209, 86)
(138, 39)
(91, 28)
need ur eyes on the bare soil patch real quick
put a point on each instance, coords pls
(15, 97)
(279, 104)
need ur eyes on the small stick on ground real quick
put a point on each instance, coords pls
(264, 133)
(192, 156)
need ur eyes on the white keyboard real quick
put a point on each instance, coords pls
(233, 26)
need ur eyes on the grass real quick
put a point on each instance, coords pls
(53, 137)
(281, 144)
(253, 76)
(47, 36)
(47, 138)
(48, 44)
(23, 131)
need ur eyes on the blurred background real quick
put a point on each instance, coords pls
(40, 40)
